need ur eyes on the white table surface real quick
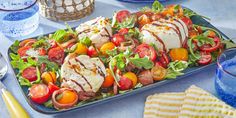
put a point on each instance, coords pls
(222, 14)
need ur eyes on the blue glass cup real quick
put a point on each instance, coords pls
(18, 17)
(225, 81)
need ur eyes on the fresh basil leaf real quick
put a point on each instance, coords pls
(157, 6)
(176, 8)
(86, 41)
(15, 46)
(141, 62)
(15, 57)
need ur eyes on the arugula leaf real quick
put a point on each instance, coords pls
(135, 33)
(141, 62)
(178, 65)
(59, 35)
(38, 76)
(128, 22)
(191, 47)
(50, 65)
(171, 74)
(112, 52)
(24, 82)
(31, 61)
(86, 41)
(41, 43)
(204, 40)
(228, 43)
(190, 13)
(15, 46)
(157, 6)
(48, 104)
(19, 63)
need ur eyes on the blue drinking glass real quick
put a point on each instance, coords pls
(225, 81)
(18, 17)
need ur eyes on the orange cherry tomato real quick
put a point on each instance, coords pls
(131, 76)
(81, 49)
(109, 79)
(107, 46)
(67, 97)
(48, 77)
(180, 54)
(144, 19)
(27, 42)
(158, 73)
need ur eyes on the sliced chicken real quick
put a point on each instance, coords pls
(82, 73)
(98, 30)
(165, 34)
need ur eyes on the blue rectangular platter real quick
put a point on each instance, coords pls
(42, 109)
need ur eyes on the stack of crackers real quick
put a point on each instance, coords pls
(193, 103)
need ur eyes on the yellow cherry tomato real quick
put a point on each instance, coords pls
(109, 79)
(158, 73)
(107, 46)
(81, 49)
(67, 97)
(131, 76)
(180, 54)
(49, 77)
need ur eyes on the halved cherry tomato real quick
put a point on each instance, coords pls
(67, 97)
(132, 77)
(81, 49)
(146, 50)
(123, 31)
(42, 51)
(48, 77)
(22, 51)
(125, 83)
(52, 87)
(30, 73)
(187, 22)
(211, 48)
(158, 73)
(180, 54)
(56, 55)
(39, 93)
(92, 52)
(107, 46)
(142, 20)
(205, 58)
(163, 59)
(117, 39)
(121, 15)
(27, 42)
(109, 79)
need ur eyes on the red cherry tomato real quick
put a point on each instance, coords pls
(123, 31)
(205, 58)
(22, 51)
(163, 60)
(92, 51)
(30, 74)
(146, 50)
(52, 87)
(188, 22)
(121, 15)
(39, 93)
(125, 83)
(210, 48)
(56, 55)
(117, 39)
(42, 51)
